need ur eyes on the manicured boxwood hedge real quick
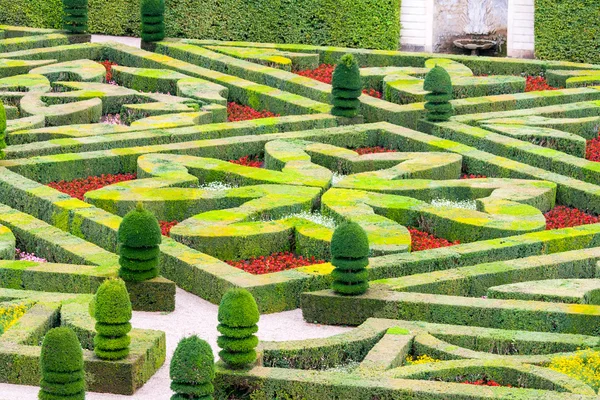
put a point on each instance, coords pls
(353, 23)
(567, 30)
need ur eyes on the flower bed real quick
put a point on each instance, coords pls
(425, 241)
(484, 382)
(23, 256)
(108, 65)
(592, 149)
(274, 263)
(565, 217)
(254, 161)
(9, 315)
(324, 73)
(471, 176)
(584, 365)
(166, 226)
(79, 187)
(536, 83)
(374, 150)
(238, 112)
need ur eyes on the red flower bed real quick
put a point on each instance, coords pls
(425, 241)
(471, 176)
(565, 217)
(165, 227)
(79, 187)
(238, 112)
(249, 161)
(484, 382)
(374, 150)
(108, 65)
(274, 263)
(535, 83)
(592, 149)
(324, 73)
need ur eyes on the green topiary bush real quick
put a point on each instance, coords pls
(111, 308)
(139, 237)
(61, 363)
(75, 16)
(349, 256)
(238, 316)
(439, 84)
(347, 88)
(2, 130)
(153, 20)
(192, 370)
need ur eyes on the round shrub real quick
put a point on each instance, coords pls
(153, 20)
(111, 307)
(192, 370)
(238, 318)
(2, 130)
(347, 88)
(75, 15)
(61, 363)
(439, 84)
(349, 256)
(139, 237)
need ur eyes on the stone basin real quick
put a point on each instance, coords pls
(475, 45)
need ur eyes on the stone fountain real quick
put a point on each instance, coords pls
(477, 28)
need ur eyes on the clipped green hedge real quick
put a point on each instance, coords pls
(352, 23)
(567, 30)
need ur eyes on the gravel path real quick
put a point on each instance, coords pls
(192, 315)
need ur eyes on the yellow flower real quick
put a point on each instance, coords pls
(583, 365)
(422, 359)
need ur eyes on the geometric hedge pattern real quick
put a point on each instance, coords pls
(502, 303)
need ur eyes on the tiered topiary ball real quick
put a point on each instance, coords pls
(111, 308)
(75, 18)
(153, 20)
(192, 370)
(61, 363)
(349, 256)
(2, 130)
(439, 84)
(347, 88)
(139, 239)
(238, 316)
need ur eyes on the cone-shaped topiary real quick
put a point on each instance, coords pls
(2, 130)
(61, 363)
(439, 84)
(349, 256)
(111, 308)
(153, 20)
(75, 15)
(192, 370)
(139, 237)
(347, 88)
(238, 316)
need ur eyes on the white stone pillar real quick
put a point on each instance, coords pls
(417, 25)
(521, 35)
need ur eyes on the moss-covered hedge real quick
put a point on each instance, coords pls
(353, 23)
(567, 30)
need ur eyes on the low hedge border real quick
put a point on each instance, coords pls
(7, 243)
(19, 346)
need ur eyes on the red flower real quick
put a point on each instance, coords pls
(324, 73)
(484, 382)
(274, 263)
(249, 161)
(165, 227)
(108, 65)
(374, 150)
(471, 176)
(79, 187)
(238, 112)
(565, 217)
(536, 83)
(424, 241)
(592, 149)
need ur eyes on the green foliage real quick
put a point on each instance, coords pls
(192, 370)
(567, 30)
(238, 316)
(371, 24)
(61, 363)
(349, 256)
(139, 237)
(153, 20)
(347, 87)
(2, 130)
(439, 84)
(75, 17)
(111, 308)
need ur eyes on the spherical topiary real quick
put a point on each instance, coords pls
(349, 256)
(347, 88)
(139, 237)
(75, 15)
(111, 308)
(439, 84)
(2, 130)
(238, 316)
(61, 363)
(192, 370)
(153, 20)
